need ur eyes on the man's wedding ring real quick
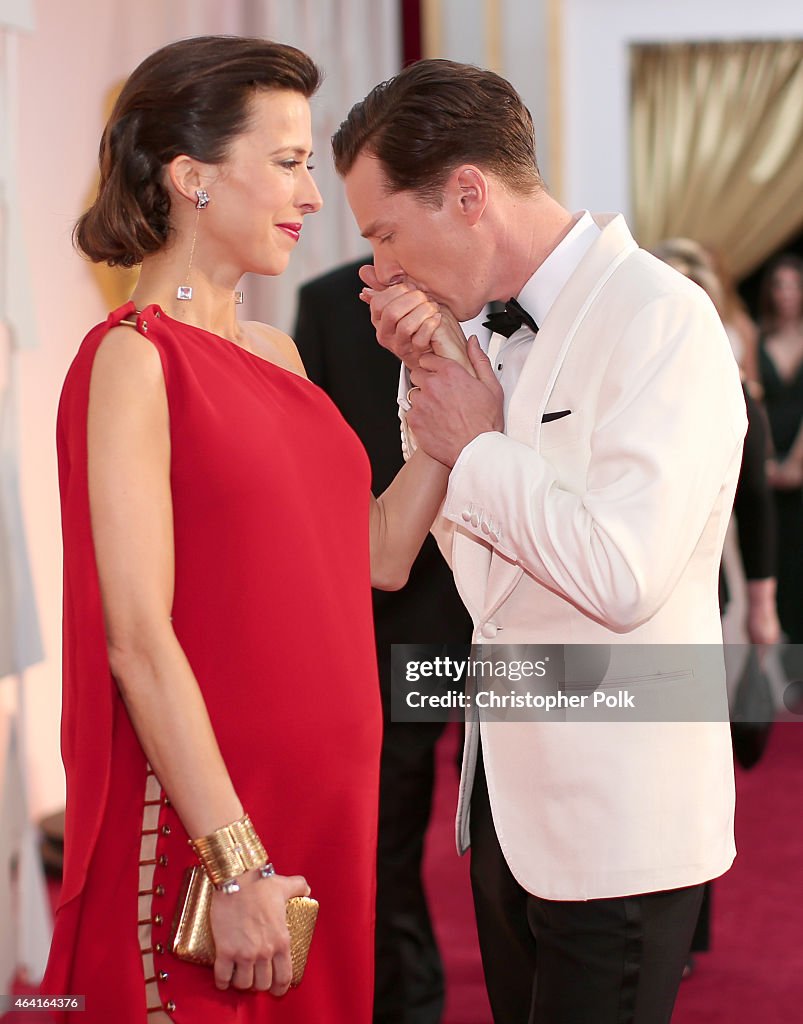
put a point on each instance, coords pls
(415, 387)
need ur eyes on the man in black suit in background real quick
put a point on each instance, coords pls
(337, 342)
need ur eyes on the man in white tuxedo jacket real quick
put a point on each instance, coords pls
(595, 454)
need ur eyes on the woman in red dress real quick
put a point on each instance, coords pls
(220, 544)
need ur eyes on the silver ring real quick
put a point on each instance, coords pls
(415, 387)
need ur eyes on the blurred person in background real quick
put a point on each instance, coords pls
(739, 325)
(780, 355)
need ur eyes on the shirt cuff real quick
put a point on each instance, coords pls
(404, 386)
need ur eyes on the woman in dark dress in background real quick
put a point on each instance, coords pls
(781, 370)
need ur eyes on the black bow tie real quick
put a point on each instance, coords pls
(510, 320)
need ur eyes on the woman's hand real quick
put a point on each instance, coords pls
(449, 341)
(785, 474)
(409, 322)
(252, 942)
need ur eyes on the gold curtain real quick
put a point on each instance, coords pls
(717, 145)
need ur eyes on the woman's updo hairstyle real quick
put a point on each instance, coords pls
(189, 97)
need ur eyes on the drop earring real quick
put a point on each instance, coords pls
(184, 291)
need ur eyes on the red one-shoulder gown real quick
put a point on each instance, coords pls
(272, 607)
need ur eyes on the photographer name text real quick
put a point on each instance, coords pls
(490, 699)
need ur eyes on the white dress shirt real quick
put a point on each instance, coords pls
(537, 297)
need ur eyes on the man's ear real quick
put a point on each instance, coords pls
(471, 191)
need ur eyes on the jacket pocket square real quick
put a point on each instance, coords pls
(548, 417)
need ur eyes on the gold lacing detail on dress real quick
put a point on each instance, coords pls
(139, 324)
(151, 892)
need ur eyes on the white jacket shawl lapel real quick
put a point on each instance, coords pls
(543, 365)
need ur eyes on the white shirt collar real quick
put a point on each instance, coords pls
(539, 293)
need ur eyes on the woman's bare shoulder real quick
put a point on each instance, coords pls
(274, 345)
(125, 358)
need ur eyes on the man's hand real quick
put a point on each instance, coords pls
(408, 322)
(453, 407)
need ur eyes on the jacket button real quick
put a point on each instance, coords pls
(484, 527)
(466, 515)
(475, 519)
(489, 630)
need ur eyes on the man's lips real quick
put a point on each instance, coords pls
(292, 229)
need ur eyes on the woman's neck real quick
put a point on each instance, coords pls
(788, 324)
(211, 307)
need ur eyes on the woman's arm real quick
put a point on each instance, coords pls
(755, 519)
(402, 517)
(405, 512)
(748, 332)
(786, 474)
(132, 528)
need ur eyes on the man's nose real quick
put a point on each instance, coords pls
(387, 269)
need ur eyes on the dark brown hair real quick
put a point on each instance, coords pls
(190, 97)
(766, 301)
(434, 116)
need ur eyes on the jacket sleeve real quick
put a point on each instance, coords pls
(666, 441)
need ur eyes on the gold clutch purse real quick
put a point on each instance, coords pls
(191, 936)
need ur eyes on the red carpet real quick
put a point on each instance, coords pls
(754, 972)
(449, 890)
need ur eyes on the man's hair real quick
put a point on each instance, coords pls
(434, 116)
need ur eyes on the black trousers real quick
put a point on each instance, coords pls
(409, 974)
(607, 961)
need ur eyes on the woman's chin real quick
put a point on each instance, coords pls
(273, 267)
